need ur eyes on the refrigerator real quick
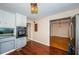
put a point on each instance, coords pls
(76, 19)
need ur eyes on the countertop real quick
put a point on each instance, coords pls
(2, 37)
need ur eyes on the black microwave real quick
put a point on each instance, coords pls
(20, 31)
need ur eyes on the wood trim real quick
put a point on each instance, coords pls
(61, 19)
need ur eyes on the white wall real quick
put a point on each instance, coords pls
(43, 33)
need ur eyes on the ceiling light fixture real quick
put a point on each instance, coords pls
(34, 8)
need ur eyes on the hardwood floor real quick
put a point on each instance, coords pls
(34, 48)
(59, 42)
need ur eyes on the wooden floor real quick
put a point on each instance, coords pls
(34, 48)
(59, 42)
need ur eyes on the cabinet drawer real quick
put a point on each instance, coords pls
(7, 39)
(20, 42)
(7, 46)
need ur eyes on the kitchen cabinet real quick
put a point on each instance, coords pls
(7, 44)
(10, 20)
(24, 21)
(20, 20)
(7, 19)
(20, 42)
(1, 19)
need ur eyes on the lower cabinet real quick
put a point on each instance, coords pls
(7, 46)
(20, 42)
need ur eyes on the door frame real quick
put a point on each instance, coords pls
(28, 24)
(73, 20)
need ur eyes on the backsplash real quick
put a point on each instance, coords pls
(6, 30)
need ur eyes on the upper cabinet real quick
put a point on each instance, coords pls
(11, 20)
(20, 20)
(7, 19)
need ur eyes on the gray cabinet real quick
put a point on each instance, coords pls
(7, 44)
(20, 42)
(20, 20)
(7, 19)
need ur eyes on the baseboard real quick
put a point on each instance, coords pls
(8, 52)
(40, 43)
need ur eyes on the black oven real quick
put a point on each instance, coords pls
(20, 31)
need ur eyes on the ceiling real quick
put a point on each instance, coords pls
(44, 9)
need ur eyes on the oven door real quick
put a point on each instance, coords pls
(21, 32)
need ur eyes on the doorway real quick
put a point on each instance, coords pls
(62, 34)
(29, 31)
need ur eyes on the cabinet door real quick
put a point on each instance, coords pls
(1, 19)
(7, 46)
(11, 20)
(4, 16)
(24, 21)
(18, 19)
(20, 42)
(7, 19)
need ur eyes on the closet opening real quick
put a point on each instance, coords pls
(62, 36)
